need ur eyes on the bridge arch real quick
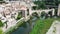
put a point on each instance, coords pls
(35, 14)
(43, 13)
(48, 12)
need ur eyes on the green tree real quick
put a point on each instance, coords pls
(19, 15)
(41, 4)
(1, 0)
(1, 32)
(1, 24)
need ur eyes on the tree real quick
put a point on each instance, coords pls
(41, 4)
(1, 24)
(43, 14)
(56, 2)
(19, 15)
(6, 24)
(1, 0)
(1, 32)
(34, 7)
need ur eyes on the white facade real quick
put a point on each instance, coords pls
(59, 10)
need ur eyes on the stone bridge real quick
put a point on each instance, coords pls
(38, 12)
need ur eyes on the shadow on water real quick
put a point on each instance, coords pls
(25, 28)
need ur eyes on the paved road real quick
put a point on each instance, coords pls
(58, 28)
(55, 28)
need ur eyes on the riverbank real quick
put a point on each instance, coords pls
(26, 27)
(55, 28)
(38, 25)
(1, 31)
(42, 26)
(13, 28)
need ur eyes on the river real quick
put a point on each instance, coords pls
(25, 28)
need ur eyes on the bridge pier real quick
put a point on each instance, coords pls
(53, 10)
(39, 13)
(58, 11)
(46, 11)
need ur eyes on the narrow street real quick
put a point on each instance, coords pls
(55, 28)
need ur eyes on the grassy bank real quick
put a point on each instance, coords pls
(1, 31)
(1, 25)
(42, 26)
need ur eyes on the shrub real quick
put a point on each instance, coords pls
(43, 14)
(19, 16)
(1, 24)
(34, 7)
(1, 32)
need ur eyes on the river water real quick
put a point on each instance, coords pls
(25, 28)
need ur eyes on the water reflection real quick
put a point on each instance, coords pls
(25, 28)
